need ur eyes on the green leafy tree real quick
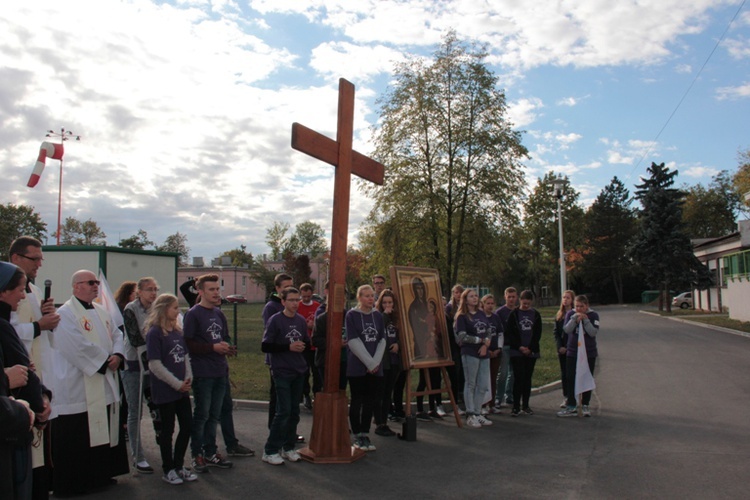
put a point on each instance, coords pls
(540, 241)
(263, 274)
(277, 240)
(741, 179)
(711, 212)
(610, 225)
(177, 243)
(661, 247)
(453, 157)
(298, 267)
(240, 257)
(75, 232)
(138, 241)
(308, 238)
(19, 220)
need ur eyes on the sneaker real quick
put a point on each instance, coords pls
(216, 460)
(384, 430)
(187, 475)
(440, 411)
(472, 421)
(240, 451)
(359, 443)
(564, 403)
(144, 468)
(308, 403)
(484, 420)
(199, 464)
(434, 414)
(527, 411)
(569, 411)
(461, 412)
(586, 411)
(172, 477)
(273, 459)
(368, 445)
(424, 417)
(484, 411)
(290, 455)
(515, 412)
(496, 410)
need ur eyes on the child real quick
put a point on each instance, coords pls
(386, 304)
(472, 336)
(285, 340)
(169, 363)
(366, 344)
(587, 318)
(523, 333)
(495, 326)
(561, 340)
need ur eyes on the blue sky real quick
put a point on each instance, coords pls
(186, 107)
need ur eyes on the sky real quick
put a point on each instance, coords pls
(185, 108)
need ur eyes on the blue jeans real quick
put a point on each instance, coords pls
(505, 378)
(208, 395)
(227, 420)
(283, 433)
(476, 379)
(130, 382)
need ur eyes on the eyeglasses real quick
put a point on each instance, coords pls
(90, 282)
(153, 290)
(32, 259)
(378, 282)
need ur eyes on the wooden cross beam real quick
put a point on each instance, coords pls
(329, 442)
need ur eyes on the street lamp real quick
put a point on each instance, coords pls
(64, 135)
(559, 184)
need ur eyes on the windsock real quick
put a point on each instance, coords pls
(47, 150)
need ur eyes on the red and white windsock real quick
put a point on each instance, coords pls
(47, 150)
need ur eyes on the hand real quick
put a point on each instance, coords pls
(48, 306)
(41, 418)
(113, 362)
(483, 351)
(394, 348)
(525, 350)
(232, 350)
(18, 376)
(32, 417)
(297, 346)
(186, 385)
(375, 370)
(222, 348)
(580, 317)
(49, 321)
(562, 350)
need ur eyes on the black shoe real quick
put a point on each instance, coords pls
(528, 411)
(240, 451)
(424, 417)
(308, 403)
(434, 414)
(144, 469)
(384, 430)
(514, 412)
(216, 460)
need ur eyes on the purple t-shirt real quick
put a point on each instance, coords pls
(206, 326)
(475, 325)
(526, 330)
(281, 329)
(171, 350)
(495, 328)
(272, 307)
(370, 329)
(591, 350)
(391, 337)
(504, 313)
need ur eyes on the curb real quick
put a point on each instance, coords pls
(704, 325)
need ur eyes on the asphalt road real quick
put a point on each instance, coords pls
(670, 420)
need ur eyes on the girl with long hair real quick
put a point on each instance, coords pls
(561, 339)
(582, 316)
(169, 363)
(524, 332)
(386, 304)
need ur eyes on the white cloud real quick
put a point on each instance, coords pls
(524, 111)
(699, 171)
(567, 101)
(738, 92)
(361, 63)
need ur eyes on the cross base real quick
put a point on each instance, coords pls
(330, 442)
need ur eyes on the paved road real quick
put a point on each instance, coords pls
(671, 414)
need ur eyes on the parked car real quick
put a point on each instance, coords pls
(236, 299)
(683, 300)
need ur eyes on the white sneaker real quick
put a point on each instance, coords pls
(472, 421)
(187, 475)
(440, 410)
(484, 411)
(290, 455)
(172, 477)
(586, 411)
(483, 420)
(273, 459)
(564, 403)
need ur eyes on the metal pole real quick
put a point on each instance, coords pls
(59, 205)
(563, 279)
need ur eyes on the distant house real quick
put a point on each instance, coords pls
(237, 281)
(728, 260)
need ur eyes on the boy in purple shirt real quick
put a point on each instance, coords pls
(204, 326)
(285, 339)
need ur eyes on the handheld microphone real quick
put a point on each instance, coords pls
(47, 289)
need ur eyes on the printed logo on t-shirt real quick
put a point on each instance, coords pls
(481, 328)
(293, 335)
(215, 331)
(491, 331)
(178, 353)
(390, 330)
(526, 324)
(370, 334)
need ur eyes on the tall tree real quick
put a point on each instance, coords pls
(263, 274)
(177, 243)
(741, 179)
(308, 238)
(711, 212)
(540, 244)
(276, 239)
(609, 229)
(19, 220)
(298, 267)
(451, 152)
(661, 247)
(138, 241)
(240, 257)
(75, 232)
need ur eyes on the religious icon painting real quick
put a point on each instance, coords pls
(423, 332)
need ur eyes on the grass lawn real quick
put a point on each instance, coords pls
(723, 320)
(249, 374)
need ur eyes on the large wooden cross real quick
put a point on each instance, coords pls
(330, 442)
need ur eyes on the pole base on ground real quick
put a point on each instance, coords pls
(330, 442)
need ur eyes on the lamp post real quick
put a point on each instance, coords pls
(559, 184)
(64, 135)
